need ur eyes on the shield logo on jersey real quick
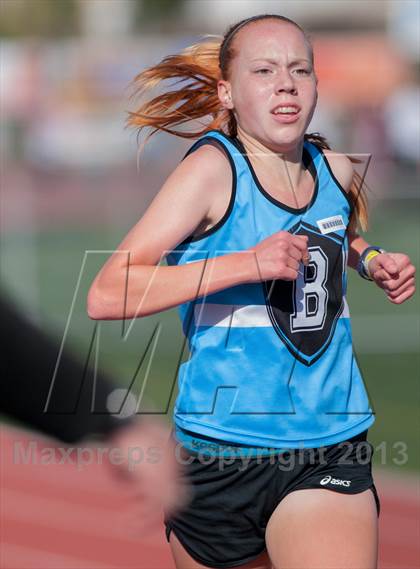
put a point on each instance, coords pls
(304, 312)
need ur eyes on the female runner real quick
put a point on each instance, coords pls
(258, 223)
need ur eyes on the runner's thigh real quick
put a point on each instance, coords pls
(314, 528)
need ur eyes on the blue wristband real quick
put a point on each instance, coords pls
(361, 265)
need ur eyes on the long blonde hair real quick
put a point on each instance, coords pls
(196, 71)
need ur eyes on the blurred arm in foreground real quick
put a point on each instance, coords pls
(29, 358)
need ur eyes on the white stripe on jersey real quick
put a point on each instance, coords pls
(238, 316)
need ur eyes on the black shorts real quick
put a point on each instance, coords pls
(232, 499)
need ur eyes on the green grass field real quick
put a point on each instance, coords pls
(41, 271)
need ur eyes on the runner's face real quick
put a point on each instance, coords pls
(272, 69)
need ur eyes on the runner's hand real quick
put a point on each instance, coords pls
(150, 468)
(280, 255)
(395, 274)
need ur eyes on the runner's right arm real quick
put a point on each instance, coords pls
(131, 283)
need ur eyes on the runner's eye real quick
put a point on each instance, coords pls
(263, 71)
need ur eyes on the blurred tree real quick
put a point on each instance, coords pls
(45, 18)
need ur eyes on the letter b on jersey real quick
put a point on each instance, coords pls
(304, 312)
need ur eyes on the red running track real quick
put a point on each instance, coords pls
(56, 516)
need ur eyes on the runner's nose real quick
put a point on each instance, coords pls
(285, 82)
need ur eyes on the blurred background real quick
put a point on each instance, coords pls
(71, 185)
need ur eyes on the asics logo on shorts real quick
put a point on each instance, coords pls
(336, 481)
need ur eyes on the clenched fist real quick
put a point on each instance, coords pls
(279, 256)
(395, 274)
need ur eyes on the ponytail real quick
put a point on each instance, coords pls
(197, 67)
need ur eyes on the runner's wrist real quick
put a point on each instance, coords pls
(365, 259)
(245, 267)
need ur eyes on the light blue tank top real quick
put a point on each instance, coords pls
(271, 364)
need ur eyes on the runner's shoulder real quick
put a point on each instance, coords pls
(209, 171)
(341, 166)
(209, 162)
